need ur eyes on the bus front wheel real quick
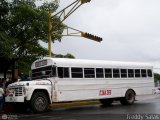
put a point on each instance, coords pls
(39, 102)
(129, 98)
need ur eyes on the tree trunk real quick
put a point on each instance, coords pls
(14, 73)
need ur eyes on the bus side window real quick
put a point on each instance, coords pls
(54, 71)
(89, 73)
(130, 73)
(149, 72)
(63, 72)
(60, 72)
(137, 73)
(143, 73)
(66, 72)
(77, 72)
(123, 73)
(99, 73)
(116, 73)
(108, 73)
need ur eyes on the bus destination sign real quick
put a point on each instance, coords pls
(41, 63)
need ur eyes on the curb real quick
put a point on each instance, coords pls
(70, 104)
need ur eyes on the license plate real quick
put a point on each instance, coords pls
(10, 99)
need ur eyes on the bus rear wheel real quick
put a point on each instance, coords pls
(129, 98)
(39, 102)
(106, 102)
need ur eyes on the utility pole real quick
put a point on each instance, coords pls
(49, 33)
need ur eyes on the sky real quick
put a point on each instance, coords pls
(130, 30)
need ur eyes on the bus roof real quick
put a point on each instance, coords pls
(66, 62)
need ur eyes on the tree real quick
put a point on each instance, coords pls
(156, 77)
(68, 55)
(22, 26)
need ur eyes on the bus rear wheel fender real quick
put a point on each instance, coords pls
(129, 97)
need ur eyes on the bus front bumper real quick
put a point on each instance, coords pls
(14, 99)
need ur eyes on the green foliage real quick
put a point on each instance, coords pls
(65, 56)
(22, 26)
(6, 45)
(156, 77)
(50, 6)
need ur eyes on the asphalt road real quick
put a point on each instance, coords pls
(145, 109)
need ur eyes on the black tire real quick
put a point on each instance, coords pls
(106, 102)
(39, 102)
(129, 98)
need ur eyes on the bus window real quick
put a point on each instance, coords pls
(149, 72)
(63, 72)
(137, 73)
(130, 73)
(77, 72)
(108, 73)
(43, 72)
(116, 73)
(143, 73)
(60, 72)
(89, 73)
(47, 70)
(36, 73)
(54, 71)
(99, 73)
(123, 73)
(66, 72)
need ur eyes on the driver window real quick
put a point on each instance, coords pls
(54, 71)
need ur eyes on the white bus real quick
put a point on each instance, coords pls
(62, 80)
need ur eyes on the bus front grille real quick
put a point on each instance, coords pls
(18, 91)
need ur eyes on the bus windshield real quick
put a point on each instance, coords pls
(44, 72)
